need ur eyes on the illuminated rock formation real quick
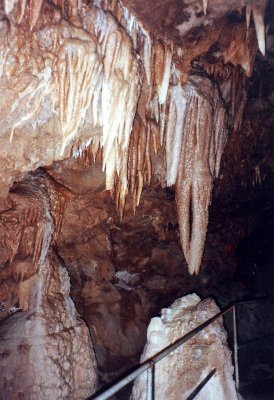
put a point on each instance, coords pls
(196, 135)
(178, 374)
(56, 354)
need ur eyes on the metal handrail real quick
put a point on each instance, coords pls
(151, 362)
(158, 357)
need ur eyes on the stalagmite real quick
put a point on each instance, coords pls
(58, 359)
(258, 175)
(177, 375)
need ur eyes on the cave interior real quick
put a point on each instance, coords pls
(136, 168)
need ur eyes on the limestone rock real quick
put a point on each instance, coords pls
(45, 348)
(178, 374)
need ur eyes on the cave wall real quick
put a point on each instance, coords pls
(46, 350)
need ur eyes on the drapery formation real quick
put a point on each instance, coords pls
(196, 135)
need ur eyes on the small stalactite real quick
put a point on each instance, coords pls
(257, 8)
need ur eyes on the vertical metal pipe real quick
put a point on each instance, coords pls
(153, 381)
(150, 383)
(235, 342)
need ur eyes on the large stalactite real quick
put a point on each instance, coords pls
(196, 135)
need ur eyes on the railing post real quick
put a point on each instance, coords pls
(235, 345)
(150, 382)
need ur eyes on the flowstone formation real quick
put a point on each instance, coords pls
(77, 74)
(46, 351)
(178, 374)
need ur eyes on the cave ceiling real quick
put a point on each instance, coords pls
(187, 22)
(148, 90)
(183, 20)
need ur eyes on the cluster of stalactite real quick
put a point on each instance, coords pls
(101, 65)
(131, 99)
(29, 10)
(232, 70)
(257, 9)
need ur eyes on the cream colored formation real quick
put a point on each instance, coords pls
(196, 135)
(105, 72)
(177, 375)
(257, 8)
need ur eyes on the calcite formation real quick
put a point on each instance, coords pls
(50, 340)
(56, 353)
(179, 373)
(75, 73)
(196, 135)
